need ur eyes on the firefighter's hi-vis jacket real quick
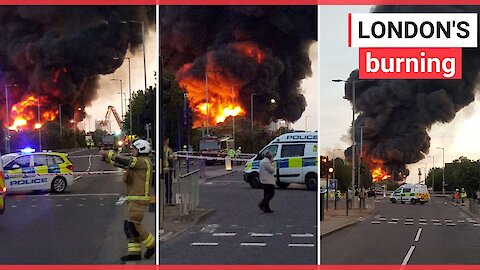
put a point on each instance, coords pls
(138, 176)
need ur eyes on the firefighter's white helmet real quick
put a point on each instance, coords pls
(143, 146)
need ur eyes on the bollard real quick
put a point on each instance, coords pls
(228, 163)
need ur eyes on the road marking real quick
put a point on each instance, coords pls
(80, 204)
(375, 222)
(261, 234)
(476, 224)
(102, 204)
(301, 235)
(89, 162)
(460, 221)
(435, 220)
(392, 222)
(395, 219)
(417, 237)
(33, 205)
(301, 245)
(204, 244)
(13, 206)
(224, 234)
(450, 224)
(422, 223)
(58, 205)
(210, 228)
(408, 223)
(422, 220)
(253, 244)
(409, 254)
(448, 220)
(382, 218)
(120, 201)
(437, 224)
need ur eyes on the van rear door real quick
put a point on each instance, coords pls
(290, 163)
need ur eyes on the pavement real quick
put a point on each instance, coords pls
(175, 224)
(335, 220)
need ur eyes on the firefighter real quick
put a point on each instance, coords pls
(463, 195)
(168, 158)
(238, 153)
(456, 196)
(138, 176)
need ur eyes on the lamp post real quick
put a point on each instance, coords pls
(433, 173)
(233, 119)
(60, 118)
(121, 96)
(443, 176)
(206, 100)
(251, 110)
(143, 49)
(39, 126)
(306, 121)
(130, 96)
(353, 129)
(7, 135)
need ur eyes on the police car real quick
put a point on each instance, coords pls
(3, 189)
(295, 158)
(32, 171)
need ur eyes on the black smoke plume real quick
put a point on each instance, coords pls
(283, 34)
(58, 52)
(397, 114)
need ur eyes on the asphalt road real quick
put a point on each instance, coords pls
(81, 226)
(239, 233)
(434, 233)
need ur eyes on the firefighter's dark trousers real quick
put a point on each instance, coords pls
(134, 230)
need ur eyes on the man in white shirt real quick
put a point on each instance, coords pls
(266, 175)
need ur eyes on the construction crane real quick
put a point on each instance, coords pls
(111, 110)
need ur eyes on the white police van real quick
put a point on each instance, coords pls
(412, 193)
(295, 157)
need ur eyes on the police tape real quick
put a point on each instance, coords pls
(211, 158)
(61, 174)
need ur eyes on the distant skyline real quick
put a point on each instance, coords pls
(337, 61)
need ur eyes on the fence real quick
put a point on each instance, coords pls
(330, 207)
(474, 206)
(186, 188)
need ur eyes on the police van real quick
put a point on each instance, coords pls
(412, 193)
(3, 189)
(32, 171)
(295, 158)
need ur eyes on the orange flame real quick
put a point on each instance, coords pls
(25, 114)
(221, 99)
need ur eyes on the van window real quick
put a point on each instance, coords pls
(22, 162)
(40, 160)
(292, 150)
(406, 190)
(272, 149)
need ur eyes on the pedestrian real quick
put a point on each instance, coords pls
(238, 152)
(463, 195)
(456, 196)
(168, 158)
(349, 197)
(267, 169)
(139, 173)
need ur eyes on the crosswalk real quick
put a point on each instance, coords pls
(215, 235)
(409, 221)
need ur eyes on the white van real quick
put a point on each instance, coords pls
(412, 193)
(295, 157)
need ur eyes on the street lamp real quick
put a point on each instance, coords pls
(433, 173)
(7, 135)
(206, 99)
(130, 96)
(233, 119)
(121, 96)
(443, 175)
(39, 126)
(306, 121)
(353, 129)
(143, 49)
(251, 109)
(334, 157)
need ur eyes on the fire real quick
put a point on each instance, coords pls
(25, 114)
(378, 174)
(218, 89)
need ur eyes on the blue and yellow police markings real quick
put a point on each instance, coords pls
(296, 162)
(254, 165)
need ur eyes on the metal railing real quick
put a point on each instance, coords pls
(187, 191)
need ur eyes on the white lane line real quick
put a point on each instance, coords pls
(253, 244)
(261, 234)
(204, 244)
(89, 162)
(224, 234)
(382, 218)
(80, 204)
(13, 206)
(375, 222)
(395, 219)
(33, 205)
(301, 245)
(392, 222)
(302, 235)
(409, 254)
(437, 224)
(58, 205)
(460, 221)
(451, 224)
(422, 223)
(417, 237)
(422, 220)
(408, 223)
(476, 224)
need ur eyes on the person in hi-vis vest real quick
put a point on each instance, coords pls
(138, 177)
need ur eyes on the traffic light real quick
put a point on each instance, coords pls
(166, 84)
(323, 166)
